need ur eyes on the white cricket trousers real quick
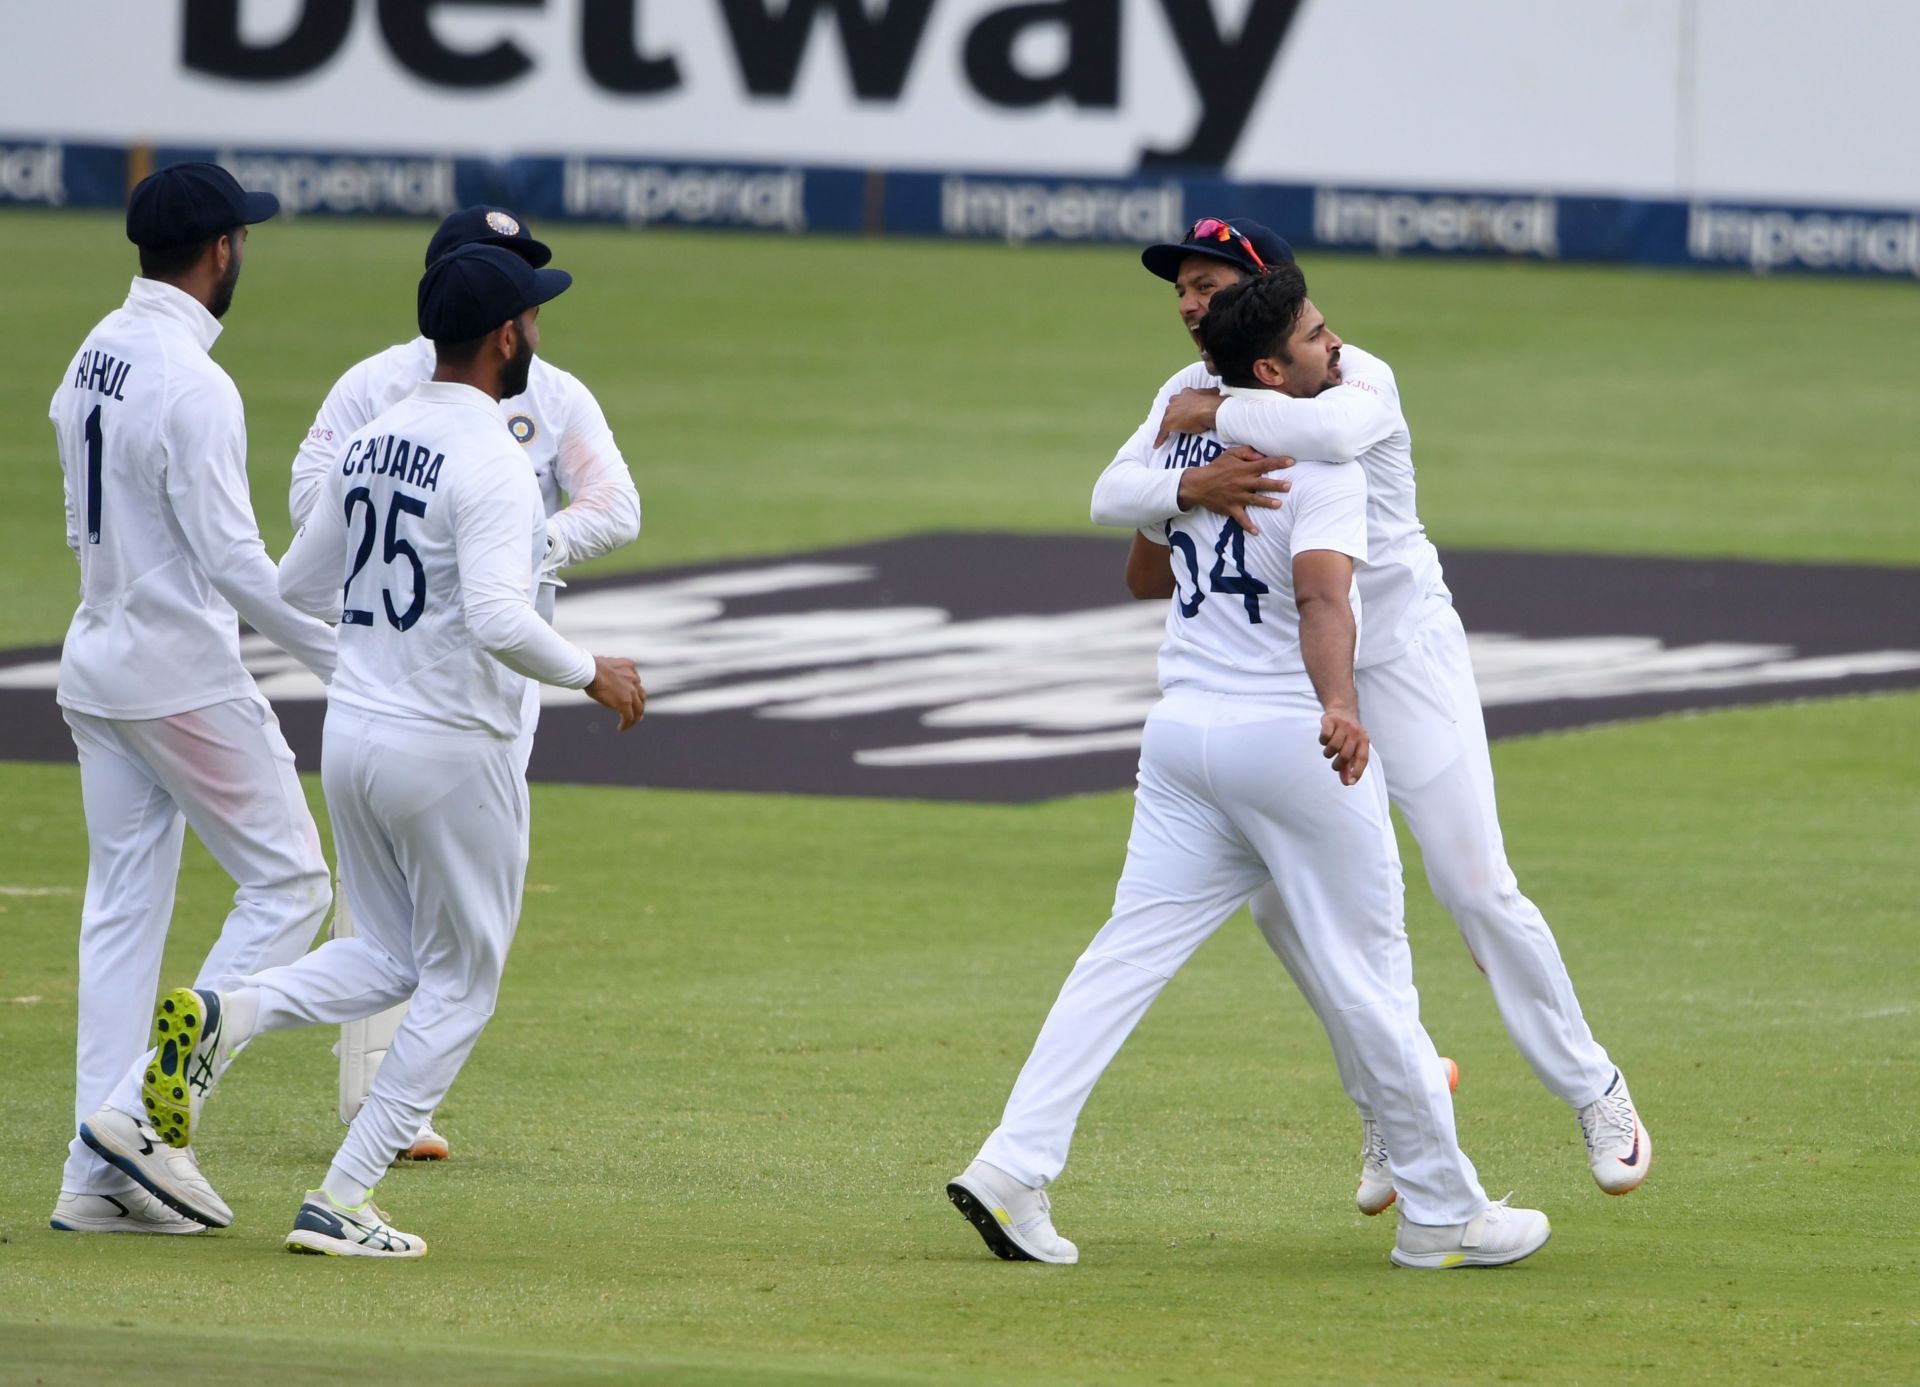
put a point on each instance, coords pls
(1234, 793)
(227, 771)
(1422, 710)
(364, 1044)
(430, 827)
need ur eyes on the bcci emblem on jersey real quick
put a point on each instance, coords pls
(523, 429)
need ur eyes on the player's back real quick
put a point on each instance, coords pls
(402, 487)
(1233, 626)
(140, 399)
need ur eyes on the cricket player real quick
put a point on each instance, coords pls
(591, 504)
(1256, 676)
(426, 543)
(1200, 449)
(168, 724)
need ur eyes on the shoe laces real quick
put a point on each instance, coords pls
(1373, 1144)
(1607, 1117)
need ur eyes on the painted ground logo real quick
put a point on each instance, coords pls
(999, 667)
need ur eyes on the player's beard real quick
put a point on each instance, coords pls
(513, 375)
(223, 289)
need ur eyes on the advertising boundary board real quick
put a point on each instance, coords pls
(1012, 208)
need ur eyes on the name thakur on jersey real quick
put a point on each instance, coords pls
(102, 372)
(389, 455)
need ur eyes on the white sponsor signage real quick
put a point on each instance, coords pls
(1643, 97)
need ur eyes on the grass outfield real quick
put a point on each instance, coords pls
(709, 1126)
(745, 1039)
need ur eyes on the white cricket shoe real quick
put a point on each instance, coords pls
(428, 1145)
(130, 1211)
(334, 1230)
(1376, 1193)
(1619, 1148)
(171, 1176)
(1495, 1237)
(1015, 1220)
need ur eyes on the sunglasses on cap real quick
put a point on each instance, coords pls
(1213, 229)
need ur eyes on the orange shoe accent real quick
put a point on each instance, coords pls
(430, 1150)
(1453, 1074)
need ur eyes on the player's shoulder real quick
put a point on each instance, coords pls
(1193, 376)
(1361, 367)
(389, 375)
(1326, 482)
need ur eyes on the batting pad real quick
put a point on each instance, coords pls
(363, 1044)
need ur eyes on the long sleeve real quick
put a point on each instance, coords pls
(206, 485)
(342, 414)
(494, 521)
(313, 573)
(603, 506)
(1336, 425)
(1131, 493)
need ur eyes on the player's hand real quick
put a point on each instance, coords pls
(616, 685)
(1191, 411)
(1346, 745)
(1234, 483)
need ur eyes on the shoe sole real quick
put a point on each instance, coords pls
(129, 1167)
(314, 1245)
(123, 1226)
(1646, 1166)
(1456, 1261)
(426, 1151)
(999, 1238)
(177, 1023)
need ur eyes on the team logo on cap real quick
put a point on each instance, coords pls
(522, 427)
(506, 226)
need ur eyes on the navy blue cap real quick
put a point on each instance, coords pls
(183, 204)
(1225, 239)
(471, 290)
(487, 226)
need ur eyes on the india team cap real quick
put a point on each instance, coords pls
(470, 291)
(183, 204)
(487, 226)
(1247, 245)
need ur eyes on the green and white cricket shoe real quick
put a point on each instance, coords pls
(130, 1211)
(1013, 1219)
(171, 1176)
(189, 1055)
(1495, 1237)
(334, 1230)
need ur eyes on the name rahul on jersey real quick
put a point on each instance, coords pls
(103, 372)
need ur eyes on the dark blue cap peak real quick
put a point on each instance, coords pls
(471, 290)
(186, 203)
(1224, 238)
(487, 226)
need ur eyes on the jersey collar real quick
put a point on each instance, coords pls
(452, 392)
(1246, 392)
(154, 299)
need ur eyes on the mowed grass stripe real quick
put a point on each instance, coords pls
(745, 1039)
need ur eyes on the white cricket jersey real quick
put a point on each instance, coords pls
(153, 444)
(1357, 421)
(584, 482)
(1233, 626)
(425, 543)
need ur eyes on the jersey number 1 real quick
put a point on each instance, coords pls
(395, 548)
(96, 445)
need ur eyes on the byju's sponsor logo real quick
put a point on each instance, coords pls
(1013, 668)
(1027, 210)
(1778, 240)
(1432, 221)
(349, 184)
(643, 194)
(31, 173)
